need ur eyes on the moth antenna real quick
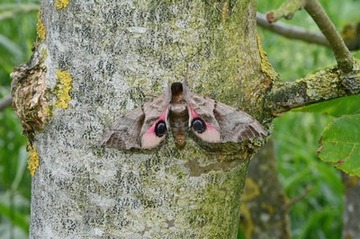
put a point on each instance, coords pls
(186, 76)
(186, 92)
(167, 96)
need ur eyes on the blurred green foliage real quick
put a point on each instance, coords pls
(17, 33)
(317, 215)
(336, 107)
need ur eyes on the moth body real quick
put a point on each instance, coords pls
(181, 111)
(178, 120)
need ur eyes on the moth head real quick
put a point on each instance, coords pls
(179, 92)
(176, 92)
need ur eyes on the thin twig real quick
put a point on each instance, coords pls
(286, 10)
(342, 54)
(313, 7)
(292, 32)
(5, 102)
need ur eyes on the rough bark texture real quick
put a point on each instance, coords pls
(111, 56)
(323, 85)
(351, 227)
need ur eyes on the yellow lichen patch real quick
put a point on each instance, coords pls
(34, 160)
(40, 28)
(265, 66)
(61, 4)
(63, 88)
(323, 84)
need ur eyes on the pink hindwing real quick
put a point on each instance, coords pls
(211, 134)
(150, 139)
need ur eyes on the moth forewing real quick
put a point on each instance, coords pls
(236, 125)
(121, 133)
(224, 123)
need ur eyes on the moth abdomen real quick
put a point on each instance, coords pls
(178, 116)
(179, 120)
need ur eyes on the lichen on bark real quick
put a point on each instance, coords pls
(30, 100)
(62, 89)
(326, 84)
(60, 4)
(33, 160)
(40, 28)
(29, 93)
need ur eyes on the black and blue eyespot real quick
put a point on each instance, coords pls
(198, 125)
(160, 128)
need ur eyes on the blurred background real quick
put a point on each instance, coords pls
(17, 34)
(318, 215)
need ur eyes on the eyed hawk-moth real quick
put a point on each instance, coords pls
(181, 111)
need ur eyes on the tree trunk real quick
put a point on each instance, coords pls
(98, 60)
(351, 227)
(264, 206)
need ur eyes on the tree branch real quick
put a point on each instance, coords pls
(5, 102)
(292, 32)
(342, 54)
(324, 85)
(286, 10)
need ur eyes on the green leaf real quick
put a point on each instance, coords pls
(337, 107)
(340, 144)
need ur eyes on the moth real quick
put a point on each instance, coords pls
(181, 111)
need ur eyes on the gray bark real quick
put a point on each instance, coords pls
(119, 54)
(264, 204)
(351, 226)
